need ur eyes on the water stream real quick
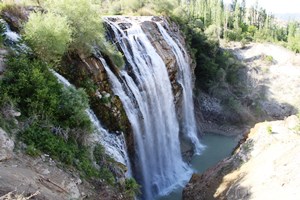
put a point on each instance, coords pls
(217, 147)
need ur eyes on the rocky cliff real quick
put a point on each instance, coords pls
(265, 87)
(44, 178)
(264, 166)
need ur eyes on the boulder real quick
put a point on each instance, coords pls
(6, 146)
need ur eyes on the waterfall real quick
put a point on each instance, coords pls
(146, 93)
(114, 144)
(185, 79)
(13, 39)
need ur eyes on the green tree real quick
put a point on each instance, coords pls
(85, 22)
(48, 34)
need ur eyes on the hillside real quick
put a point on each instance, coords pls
(265, 166)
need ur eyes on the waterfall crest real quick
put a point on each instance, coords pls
(146, 93)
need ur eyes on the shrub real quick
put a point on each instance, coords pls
(32, 151)
(164, 6)
(233, 35)
(106, 175)
(269, 129)
(48, 34)
(37, 93)
(267, 58)
(73, 103)
(132, 188)
(213, 32)
(68, 152)
(32, 86)
(84, 20)
(113, 54)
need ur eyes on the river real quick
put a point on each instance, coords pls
(217, 148)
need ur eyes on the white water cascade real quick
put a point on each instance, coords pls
(113, 144)
(185, 79)
(146, 93)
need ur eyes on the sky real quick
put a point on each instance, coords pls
(276, 6)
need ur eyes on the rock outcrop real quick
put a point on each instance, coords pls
(265, 166)
(266, 88)
(7, 146)
(22, 175)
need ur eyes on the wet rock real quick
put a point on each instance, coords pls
(15, 16)
(125, 26)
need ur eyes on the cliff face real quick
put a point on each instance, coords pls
(265, 166)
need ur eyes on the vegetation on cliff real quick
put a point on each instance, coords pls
(53, 119)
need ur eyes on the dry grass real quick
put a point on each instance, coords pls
(14, 196)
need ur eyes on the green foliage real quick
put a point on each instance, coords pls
(99, 152)
(294, 43)
(36, 92)
(132, 5)
(73, 104)
(234, 35)
(213, 32)
(48, 34)
(84, 20)
(164, 6)
(54, 117)
(269, 129)
(103, 160)
(68, 152)
(269, 59)
(32, 86)
(252, 30)
(106, 175)
(113, 54)
(32, 151)
(132, 188)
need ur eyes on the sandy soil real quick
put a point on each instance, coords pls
(274, 72)
(272, 170)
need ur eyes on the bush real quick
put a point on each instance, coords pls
(73, 103)
(84, 20)
(267, 58)
(32, 151)
(164, 6)
(269, 129)
(233, 35)
(32, 86)
(37, 93)
(106, 175)
(213, 32)
(113, 54)
(68, 152)
(48, 34)
(132, 188)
